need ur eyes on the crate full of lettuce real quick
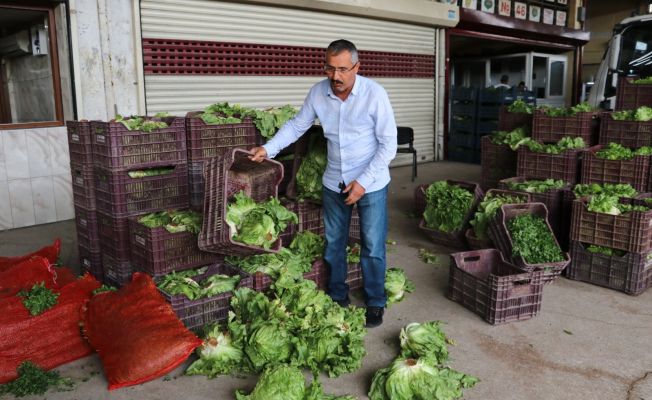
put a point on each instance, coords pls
(516, 115)
(550, 124)
(242, 213)
(522, 233)
(498, 155)
(634, 92)
(617, 164)
(630, 128)
(449, 208)
(166, 241)
(560, 160)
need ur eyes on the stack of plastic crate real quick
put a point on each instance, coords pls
(462, 130)
(83, 187)
(135, 172)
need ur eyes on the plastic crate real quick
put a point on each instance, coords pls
(206, 141)
(80, 144)
(196, 184)
(508, 121)
(547, 129)
(196, 313)
(461, 138)
(631, 273)
(83, 186)
(498, 162)
(463, 154)
(599, 170)
(263, 282)
(464, 94)
(489, 111)
(486, 284)
(116, 147)
(91, 261)
(119, 195)
(354, 276)
(631, 96)
(553, 200)
(533, 165)
(455, 239)
(354, 226)
(87, 229)
(633, 134)
(630, 231)
(116, 273)
(420, 199)
(158, 252)
(226, 176)
(114, 236)
(499, 234)
(462, 124)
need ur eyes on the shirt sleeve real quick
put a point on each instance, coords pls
(293, 129)
(385, 131)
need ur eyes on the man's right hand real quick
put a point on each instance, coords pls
(258, 154)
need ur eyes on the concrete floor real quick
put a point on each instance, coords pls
(588, 342)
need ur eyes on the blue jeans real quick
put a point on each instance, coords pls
(372, 209)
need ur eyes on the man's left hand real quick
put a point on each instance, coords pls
(355, 191)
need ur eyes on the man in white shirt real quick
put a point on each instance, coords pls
(360, 130)
(503, 82)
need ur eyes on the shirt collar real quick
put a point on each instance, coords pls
(354, 90)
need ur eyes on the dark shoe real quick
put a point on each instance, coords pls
(344, 303)
(374, 317)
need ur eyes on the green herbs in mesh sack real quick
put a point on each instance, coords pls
(447, 206)
(536, 186)
(39, 298)
(533, 240)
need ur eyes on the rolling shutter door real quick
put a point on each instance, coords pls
(198, 52)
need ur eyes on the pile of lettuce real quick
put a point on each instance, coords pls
(144, 173)
(616, 151)
(643, 113)
(487, 211)
(286, 382)
(311, 170)
(257, 224)
(519, 106)
(295, 260)
(537, 186)
(618, 189)
(567, 112)
(270, 120)
(297, 325)
(182, 282)
(514, 139)
(609, 204)
(564, 144)
(643, 81)
(447, 206)
(420, 371)
(267, 121)
(143, 124)
(174, 221)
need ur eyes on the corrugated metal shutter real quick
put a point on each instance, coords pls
(412, 98)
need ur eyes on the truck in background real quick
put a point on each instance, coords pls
(629, 53)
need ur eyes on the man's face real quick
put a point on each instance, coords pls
(341, 71)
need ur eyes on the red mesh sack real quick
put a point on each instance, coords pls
(50, 252)
(64, 276)
(49, 339)
(136, 333)
(26, 274)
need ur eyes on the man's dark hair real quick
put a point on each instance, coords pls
(504, 79)
(341, 45)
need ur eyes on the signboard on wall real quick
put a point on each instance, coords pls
(560, 18)
(488, 5)
(520, 10)
(535, 13)
(505, 8)
(548, 16)
(472, 4)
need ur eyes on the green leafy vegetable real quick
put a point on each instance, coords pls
(104, 288)
(428, 257)
(141, 123)
(607, 251)
(533, 240)
(150, 172)
(308, 244)
(182, 283)
(310, 172)
(270, 120)
(447, 206)
(257, 224)
(619, 190)
(397, 285)
(643, 81)
(537, 186)
(514, 139)
(32, 380)
(564, 144)
(39, 298)
(217, 354)
(519, 106)
(174, 221)
(487, 211)
(353, 253)
(567, 112)
(643, 113)
(424, 340)
(609, 204)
